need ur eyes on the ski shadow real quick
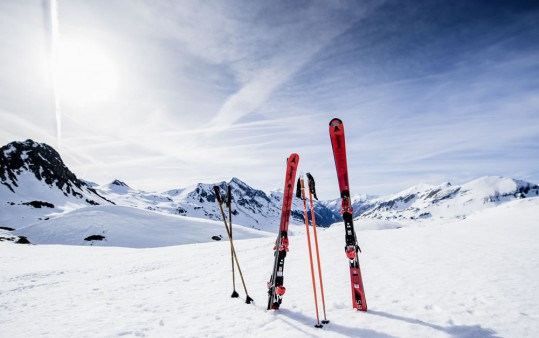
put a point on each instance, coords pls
(332, 327)
(455, 331)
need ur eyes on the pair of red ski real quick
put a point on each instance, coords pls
(275, 285)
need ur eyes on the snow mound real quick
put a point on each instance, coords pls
(488, 186)
(128, 227)
(376, 224)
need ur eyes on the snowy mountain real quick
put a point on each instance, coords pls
(447, 201)
(250, 207)
(37, 188)
(360, 203)
(35, 182)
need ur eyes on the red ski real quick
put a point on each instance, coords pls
(276, 289)
(336, 133)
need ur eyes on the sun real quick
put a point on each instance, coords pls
(84, 73)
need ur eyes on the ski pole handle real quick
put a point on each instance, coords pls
(218, 194)
(312, 188)
(228, 196)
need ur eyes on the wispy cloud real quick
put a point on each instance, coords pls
(210, 90)
(261, 46)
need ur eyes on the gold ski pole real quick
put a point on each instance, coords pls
(229, 206)
(248, 299)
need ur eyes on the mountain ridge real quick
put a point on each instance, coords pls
(434, 201)
(36, 184)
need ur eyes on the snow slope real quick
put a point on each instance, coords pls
(128, 227)
(469, 278)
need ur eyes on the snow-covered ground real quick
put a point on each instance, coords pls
(129, 227)
(468, 278)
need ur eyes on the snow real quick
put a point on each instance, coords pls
(376, 224)
(446, 201)
(16, 215)
(416, 189)
(492, 186)
(129, 227)
(116, 187)
(468, 278)
(8, 151)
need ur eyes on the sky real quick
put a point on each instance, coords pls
(165, 94)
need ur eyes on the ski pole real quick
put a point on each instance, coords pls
(312, 192)
(248, 299)
(229, 206)
(301, 193)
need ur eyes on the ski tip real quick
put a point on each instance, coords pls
(335, 122)
(293, 158)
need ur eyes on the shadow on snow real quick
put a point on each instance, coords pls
(456, 331)
(344, 330)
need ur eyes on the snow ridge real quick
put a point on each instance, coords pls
(447, 201)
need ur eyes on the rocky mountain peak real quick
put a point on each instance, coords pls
(34, 174)
(119, 183)
(41, 160)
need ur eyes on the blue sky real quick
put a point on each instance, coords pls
(429, 91)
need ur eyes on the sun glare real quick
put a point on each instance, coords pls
(85, 74)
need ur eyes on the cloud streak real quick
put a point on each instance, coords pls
(210, 90)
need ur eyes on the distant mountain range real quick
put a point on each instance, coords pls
(447, 201)
(36, 185)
